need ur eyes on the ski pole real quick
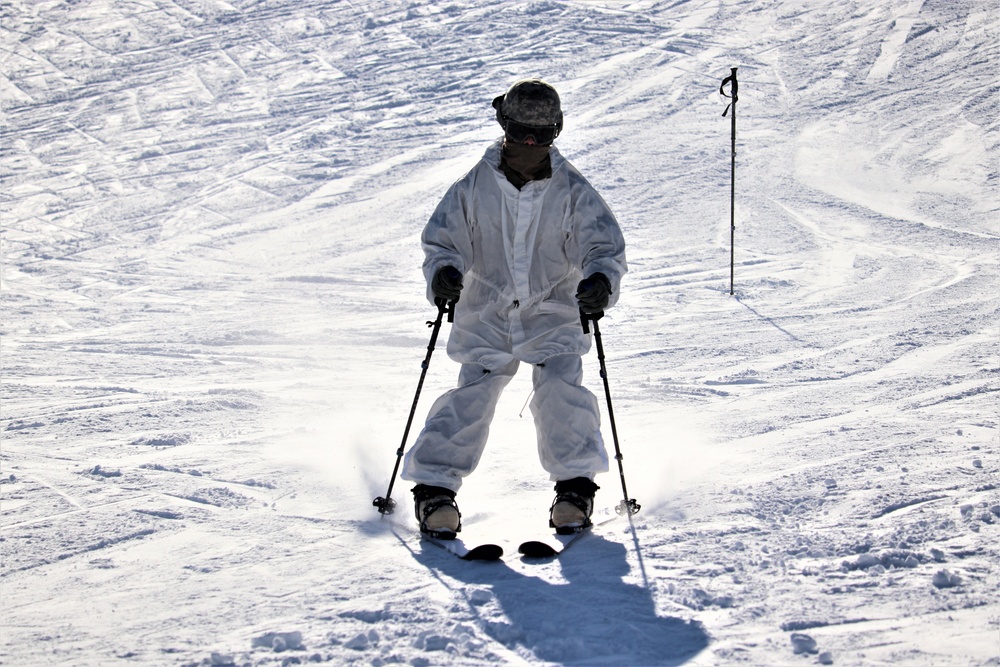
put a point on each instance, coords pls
(734, 89)
(627, 505)
(386, 504)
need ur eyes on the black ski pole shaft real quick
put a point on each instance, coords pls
(386, 504)
(734, 89)
(627, 505)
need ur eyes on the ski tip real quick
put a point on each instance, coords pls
(484, 552)
(535, 549)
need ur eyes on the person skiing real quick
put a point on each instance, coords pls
(520, 246)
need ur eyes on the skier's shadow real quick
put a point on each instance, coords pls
(593, 618)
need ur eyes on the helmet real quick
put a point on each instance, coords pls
(530, 103)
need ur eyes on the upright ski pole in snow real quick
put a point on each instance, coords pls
(734, 90)
(627, 505)
(386, 504)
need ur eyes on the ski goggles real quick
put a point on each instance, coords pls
(543, 135)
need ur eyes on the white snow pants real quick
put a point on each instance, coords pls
(567, 422)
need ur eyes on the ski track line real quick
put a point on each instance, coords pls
(65, 496)
(79, 510)
(962, 271)
(109, 408)
(746, 446)
(773, 437)
(892, 44)
(862, 239)
(961, 268)
(90, 548)
(921, 357)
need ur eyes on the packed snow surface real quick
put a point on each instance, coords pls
(214, 317)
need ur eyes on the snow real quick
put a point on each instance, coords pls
(214, 317)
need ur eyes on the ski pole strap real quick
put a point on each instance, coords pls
(587, 318)
(734, 89)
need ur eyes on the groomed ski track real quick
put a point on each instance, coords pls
(213, 318)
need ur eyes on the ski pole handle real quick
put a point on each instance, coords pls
(734, 88)
(447, 307)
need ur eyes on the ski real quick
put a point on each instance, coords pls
(458, 548)
(554, 545)
(551, 547)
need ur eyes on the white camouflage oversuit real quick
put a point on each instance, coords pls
(522, 254)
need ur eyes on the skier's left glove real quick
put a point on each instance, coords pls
(593, 293)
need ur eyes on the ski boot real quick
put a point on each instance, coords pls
(437, 511)
(573, 505)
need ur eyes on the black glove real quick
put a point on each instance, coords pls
(447, 283)
(593, 293)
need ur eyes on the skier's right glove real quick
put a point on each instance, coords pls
(593, 293)
(447, 283)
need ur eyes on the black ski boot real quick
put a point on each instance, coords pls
(437, 511)
(573, 505)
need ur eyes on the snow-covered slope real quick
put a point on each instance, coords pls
(213, 321)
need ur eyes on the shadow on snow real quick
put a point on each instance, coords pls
(593, 619)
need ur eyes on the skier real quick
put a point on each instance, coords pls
(528, 244)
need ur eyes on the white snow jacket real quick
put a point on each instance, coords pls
(522, 253)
